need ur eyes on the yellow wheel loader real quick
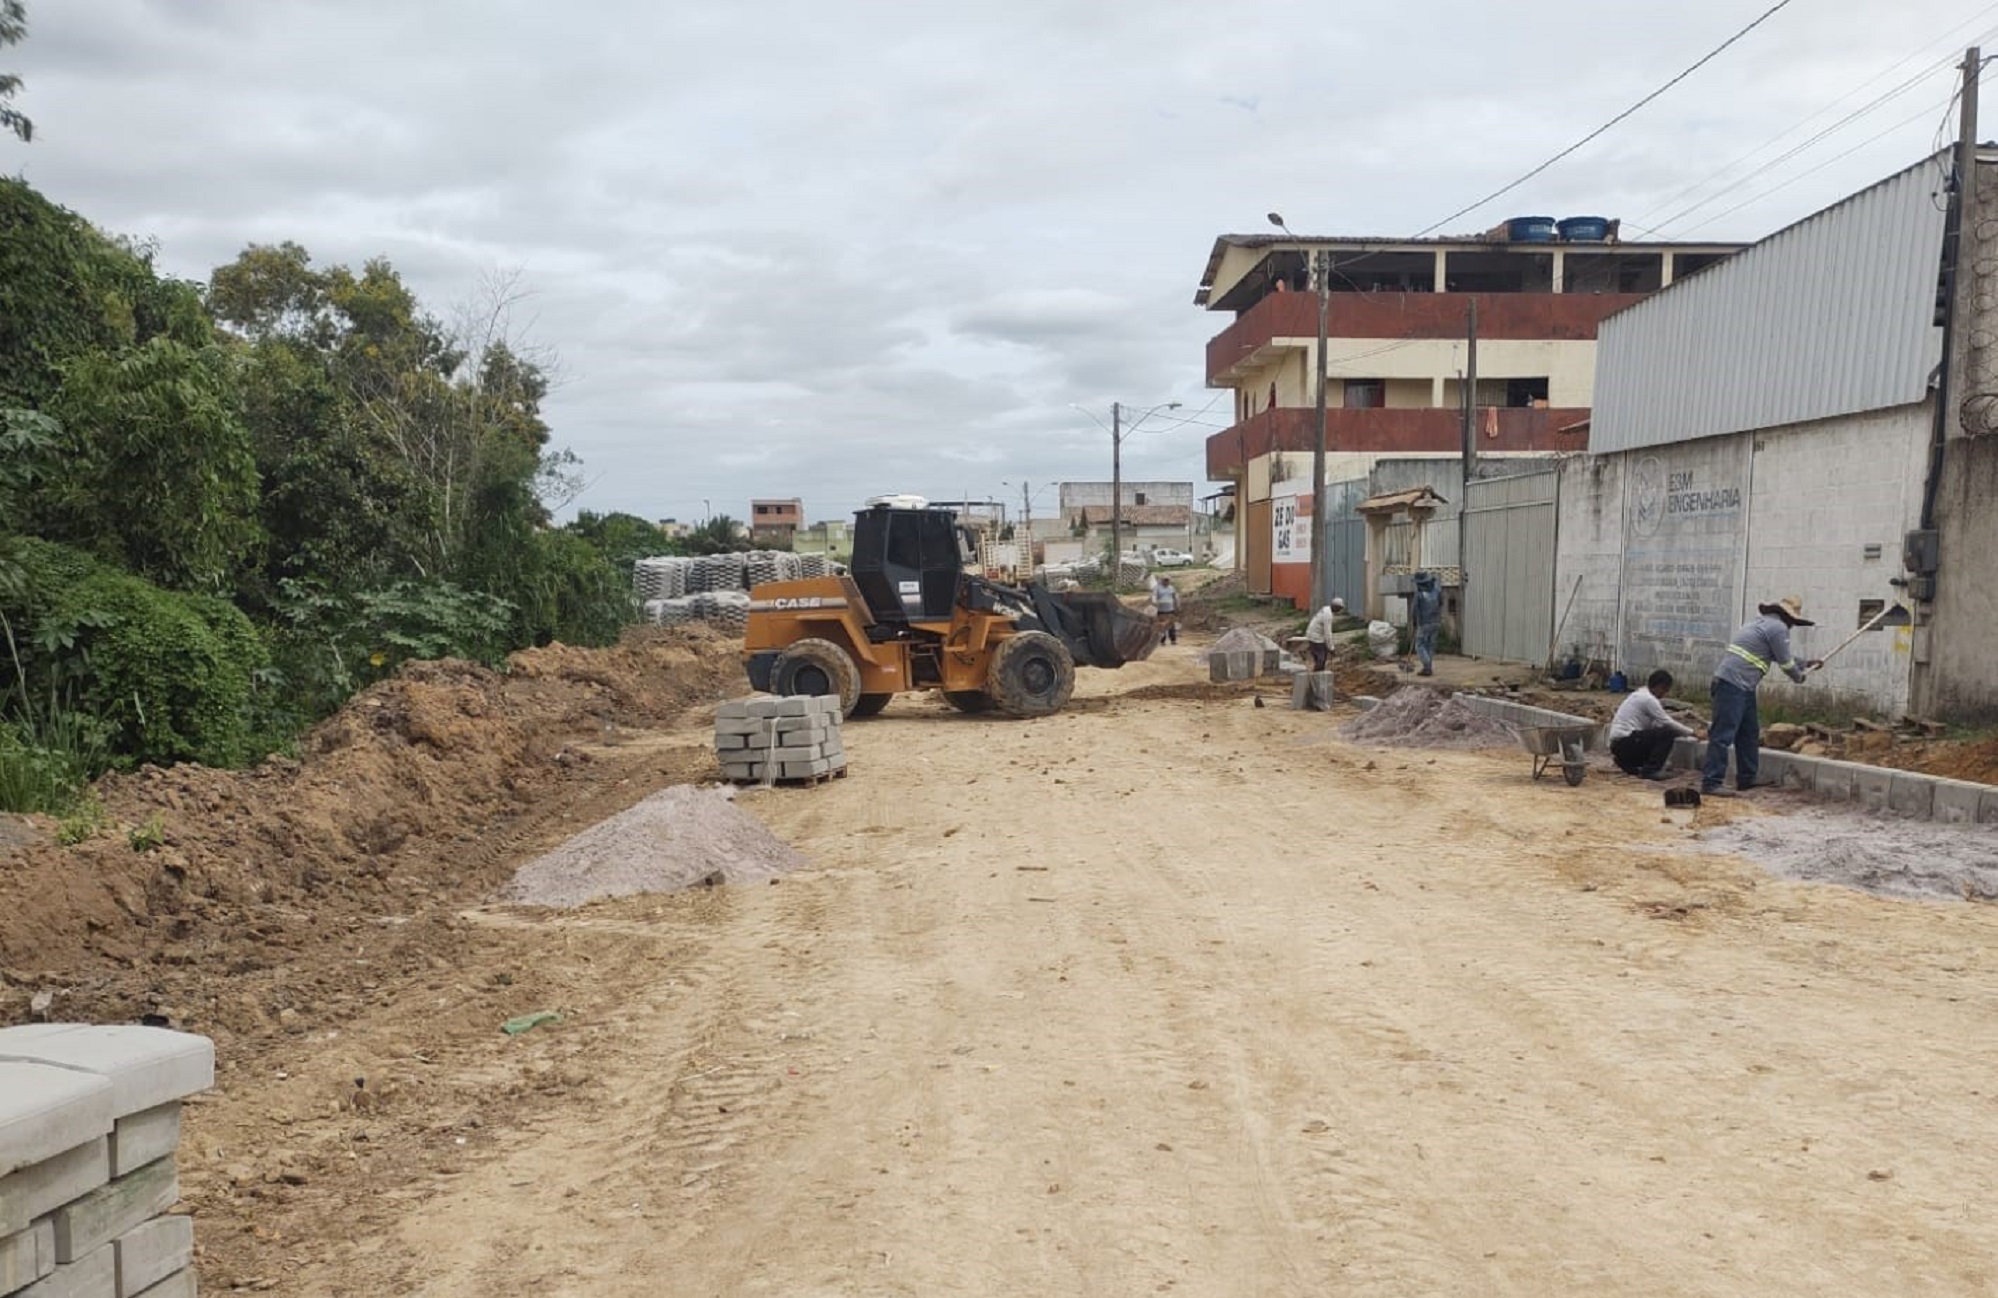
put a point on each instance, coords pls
(911, 616)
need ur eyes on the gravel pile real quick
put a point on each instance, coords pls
(1414, 717)
(674, 839)
(1241, 639)
(1906, 860)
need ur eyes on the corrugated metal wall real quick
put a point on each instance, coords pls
(1509, 546)
(1832, 316)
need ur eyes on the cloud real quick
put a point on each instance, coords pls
(834, 250)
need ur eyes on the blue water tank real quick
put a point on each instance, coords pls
(1531, 229)
(1585, 229)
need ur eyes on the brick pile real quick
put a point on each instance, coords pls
(89, 1123)
(762, 741)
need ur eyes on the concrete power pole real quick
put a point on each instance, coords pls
(1470, 421)
(1116, 495)
(1321, 278)
(1027, 526)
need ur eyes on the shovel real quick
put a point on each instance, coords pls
(1892, 615)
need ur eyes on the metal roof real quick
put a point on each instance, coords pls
(1831, 316)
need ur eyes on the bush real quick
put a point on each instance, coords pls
(168, 677)
(329, 645)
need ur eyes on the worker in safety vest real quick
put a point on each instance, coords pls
(1758, 646)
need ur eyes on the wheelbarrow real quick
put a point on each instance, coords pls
(1565, 746)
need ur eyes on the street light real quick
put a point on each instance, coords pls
(1321, 283)
(1117, 435)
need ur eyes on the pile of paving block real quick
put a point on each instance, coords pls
(89, 1123)
(770, 741)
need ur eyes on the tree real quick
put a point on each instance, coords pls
(157, 469)
(13, 28)
(719, 535)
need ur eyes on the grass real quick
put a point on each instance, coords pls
(46, 761)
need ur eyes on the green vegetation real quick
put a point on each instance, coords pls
(225, 508)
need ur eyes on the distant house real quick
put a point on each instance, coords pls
(775, 522)
(674, 529)
(1155, 515)
(833, 537)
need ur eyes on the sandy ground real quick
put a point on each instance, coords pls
(1165, 994)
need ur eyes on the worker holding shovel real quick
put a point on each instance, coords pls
(1756, 647)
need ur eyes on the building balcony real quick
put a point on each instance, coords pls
(1377, 431)
(1289, 321)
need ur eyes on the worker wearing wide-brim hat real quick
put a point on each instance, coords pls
(1759, 645)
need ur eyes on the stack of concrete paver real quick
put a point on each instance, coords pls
(766, 740)
(89, 1122)
(1313, 691)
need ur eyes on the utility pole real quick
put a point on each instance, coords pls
(1470, 420)
(1027, 526)
(1116, 495)
(1321, 276)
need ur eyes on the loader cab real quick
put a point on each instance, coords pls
(908, 561)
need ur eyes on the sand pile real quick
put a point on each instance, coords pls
(674, 839)
(1241, 639)
(1413, 717)
(1908, 860)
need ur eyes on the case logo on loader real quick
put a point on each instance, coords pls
(795, 602)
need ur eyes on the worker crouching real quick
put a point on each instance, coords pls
(1642, 733)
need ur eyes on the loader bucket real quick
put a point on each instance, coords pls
(1099, 629)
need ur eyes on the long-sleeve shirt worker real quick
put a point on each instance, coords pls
(1641, 710)
(1428, 607)
(1758, 646)
(1319, 629)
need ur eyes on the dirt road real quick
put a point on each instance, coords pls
(1169, 994)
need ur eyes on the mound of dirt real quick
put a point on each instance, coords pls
(1414, 717)
(674, 839)
(406, 796)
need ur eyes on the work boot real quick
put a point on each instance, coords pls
(1425, 672)
(1716, 791)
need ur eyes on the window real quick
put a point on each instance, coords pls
(1526, 392)
(1365, 394)
(1870, 609)
(1141, 498)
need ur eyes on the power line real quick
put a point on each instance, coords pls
(1697, 185)
(1705, 59)
(1843, 122)
(1811, 171)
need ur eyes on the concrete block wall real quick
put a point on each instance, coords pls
(766, 740)
(89, 1123)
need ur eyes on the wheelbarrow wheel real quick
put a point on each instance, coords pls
(1574, 767)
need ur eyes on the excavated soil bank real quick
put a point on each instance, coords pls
(414, 795)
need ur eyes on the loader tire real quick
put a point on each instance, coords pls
(818, 668)
(972, 701)
(1032, 675)
(870, 705)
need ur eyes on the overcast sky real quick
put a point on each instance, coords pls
(830, 248)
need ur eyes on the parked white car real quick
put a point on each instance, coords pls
(1172, 559)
